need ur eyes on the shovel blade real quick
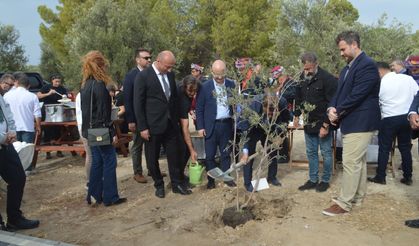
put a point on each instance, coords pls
(217, 173)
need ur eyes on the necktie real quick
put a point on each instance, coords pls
(166, 87)
(1, 115)
(346, 73)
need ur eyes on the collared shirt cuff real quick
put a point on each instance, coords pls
(410, 113)
(245, 151)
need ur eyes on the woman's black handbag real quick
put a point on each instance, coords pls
(97, 136)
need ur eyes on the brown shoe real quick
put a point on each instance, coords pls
(140, 178)
(334, 210)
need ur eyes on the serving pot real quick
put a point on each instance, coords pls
(60, 112)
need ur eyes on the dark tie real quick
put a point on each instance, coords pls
(1, 115)
(346, 73)
(166, 87)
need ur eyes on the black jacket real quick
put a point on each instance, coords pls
(318, 92)
(101, 106)
(151, 108)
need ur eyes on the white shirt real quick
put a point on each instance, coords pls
(78, 112)
(25, 108)
(159, 75)
(223, 110)
(396, 94)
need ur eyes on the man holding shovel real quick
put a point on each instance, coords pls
(213, 119)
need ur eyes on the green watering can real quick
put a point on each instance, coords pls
(195, 173)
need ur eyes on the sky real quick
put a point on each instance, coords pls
(24, 16)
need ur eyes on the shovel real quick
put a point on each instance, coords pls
(217, 173)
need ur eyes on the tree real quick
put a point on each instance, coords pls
(387, 42)
(308, 26)
(241, 28)
(57, 25)
(49, 62)
(117, 29)
(343, 9)
(415, 38)
(12, 54)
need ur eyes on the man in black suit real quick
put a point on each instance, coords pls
(155, 107)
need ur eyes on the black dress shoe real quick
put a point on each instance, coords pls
(21, 224)
(160, 192)
(377, 180)
(3, 227)
(181, 190)
(412, 223)
(230, 183)
(211, 185)
(119, 201)
(274, 182)
(406, 181)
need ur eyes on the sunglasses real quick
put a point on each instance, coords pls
(148, 58)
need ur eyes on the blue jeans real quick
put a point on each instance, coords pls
(102, 180)
(313, 141)
(28, 137)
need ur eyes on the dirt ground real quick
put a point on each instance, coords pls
(55, 194)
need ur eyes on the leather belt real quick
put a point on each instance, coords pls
(224, 120)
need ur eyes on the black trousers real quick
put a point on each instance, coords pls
(391, 127)
(170, 140)
(12, 172)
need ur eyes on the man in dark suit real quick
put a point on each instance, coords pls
(414, 123)
(213, 119)
(155, 107)
(355, 107)
(143, 60)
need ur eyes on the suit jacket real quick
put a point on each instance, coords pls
(151, 108)
(415, 104)
(414, 107)
(206, 106)
(128, 94)
(356, 98)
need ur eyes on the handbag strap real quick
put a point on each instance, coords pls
(91, 103)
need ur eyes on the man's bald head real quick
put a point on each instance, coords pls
(219, 67)
(219, 71)
(165, 61)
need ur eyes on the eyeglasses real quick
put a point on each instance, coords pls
(218, 76)
(148, 58)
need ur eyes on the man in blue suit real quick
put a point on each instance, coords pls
(355, 108)
(213, 118)
(143, 60)
(414, 123)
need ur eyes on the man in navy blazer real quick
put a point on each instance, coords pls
(213, 118)
(414, 123)
(143, 60)
(355, 108)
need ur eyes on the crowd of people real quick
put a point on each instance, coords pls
(366, 97)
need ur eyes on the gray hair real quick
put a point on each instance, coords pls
(308, 57)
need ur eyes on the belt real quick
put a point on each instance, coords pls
(224, 120)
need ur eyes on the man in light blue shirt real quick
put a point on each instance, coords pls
(213, 119)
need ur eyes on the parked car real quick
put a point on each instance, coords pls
(36, 81)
